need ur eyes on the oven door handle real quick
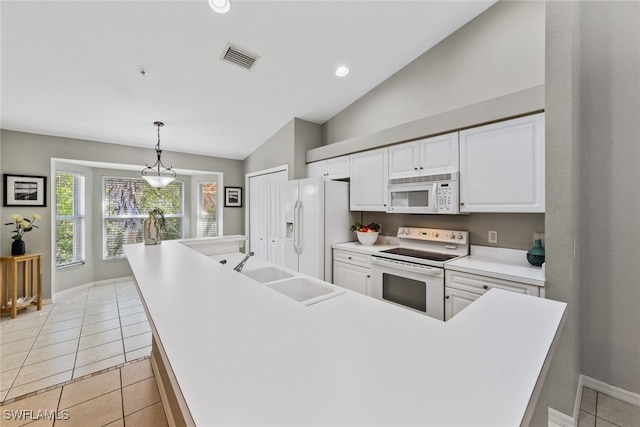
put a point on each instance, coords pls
(407, 266)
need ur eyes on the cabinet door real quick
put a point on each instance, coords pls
(502, 166)
(439, 154)
(351, 277)
(404, 160)
(338, 168)
(368, 190)
(456, 300)
(317, 169)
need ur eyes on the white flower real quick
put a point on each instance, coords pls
(16, 217)
(36, 216)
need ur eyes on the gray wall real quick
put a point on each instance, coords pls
(499, 52)
(287, 146)
(40, 149)
(610, 148)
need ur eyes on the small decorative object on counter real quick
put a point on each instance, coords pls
(153, 227)
(535, 256)
(22, 225)
(367, 234)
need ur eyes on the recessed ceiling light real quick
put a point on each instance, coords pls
(220, 6)
(342, 71)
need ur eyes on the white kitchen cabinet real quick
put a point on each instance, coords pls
(369, 173)
(351, 270)
(502, 166)
(430, 156)
(335, 168)
(461, 289)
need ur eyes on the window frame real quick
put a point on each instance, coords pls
(141, 216)
(78, 220)
(199, 216)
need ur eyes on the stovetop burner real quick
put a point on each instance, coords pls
(415, 253)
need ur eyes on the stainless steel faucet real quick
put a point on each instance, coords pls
(241, 264)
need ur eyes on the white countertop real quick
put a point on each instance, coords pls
(507, 264)
(244, 354)
(364, 249)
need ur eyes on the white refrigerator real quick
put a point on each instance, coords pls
(316, 215)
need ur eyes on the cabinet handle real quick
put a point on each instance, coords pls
(461, 203)
(415, 169)
(421, 167)
(368, 276)
(349, 257)
(447, 297)
(485, 287)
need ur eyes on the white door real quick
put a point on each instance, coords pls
(456, 300)
(502, 166)
(258, 208)
(404, 160)
(275, 238)
(369, 171)
(439, 154)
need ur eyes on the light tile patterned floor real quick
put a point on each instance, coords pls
(85, 331)
(600, 410)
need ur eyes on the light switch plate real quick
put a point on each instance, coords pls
(493, 237)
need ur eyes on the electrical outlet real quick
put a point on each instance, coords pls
(538, 236)
(493, 237)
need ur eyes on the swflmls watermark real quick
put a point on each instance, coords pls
(34, 415)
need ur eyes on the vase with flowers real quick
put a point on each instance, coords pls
(21, 225)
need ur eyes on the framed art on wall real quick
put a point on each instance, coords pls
(232, 197)
(24, 190)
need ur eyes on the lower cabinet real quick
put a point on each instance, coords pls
(351, 270)
(461, 289)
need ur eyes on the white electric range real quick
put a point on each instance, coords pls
(412, 275)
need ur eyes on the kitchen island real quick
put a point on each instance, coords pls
(236, 352)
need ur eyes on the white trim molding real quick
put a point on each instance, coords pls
(559, 419)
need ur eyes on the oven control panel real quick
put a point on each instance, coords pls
(434, 235)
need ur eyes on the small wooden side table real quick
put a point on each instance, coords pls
(31, 282)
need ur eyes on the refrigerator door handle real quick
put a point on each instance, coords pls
(296, 226)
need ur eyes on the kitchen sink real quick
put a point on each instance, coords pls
(305, 291)
(267, 274)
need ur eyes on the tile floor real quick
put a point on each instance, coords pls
(82, 361)
(600, 410)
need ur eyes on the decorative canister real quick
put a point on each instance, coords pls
(535, 256)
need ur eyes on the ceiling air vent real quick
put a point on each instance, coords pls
(239, 57)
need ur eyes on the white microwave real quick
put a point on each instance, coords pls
(435, 194)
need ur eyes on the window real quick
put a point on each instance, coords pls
(207, 223)
(69, 219)
(126, 204)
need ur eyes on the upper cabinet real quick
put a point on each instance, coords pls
(502, 166)
(430, 156)
(369, 176)
(336, 168)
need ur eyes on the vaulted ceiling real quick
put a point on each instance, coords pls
(106, 70)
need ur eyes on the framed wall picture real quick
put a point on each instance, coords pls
(24, 190)
(232, 197)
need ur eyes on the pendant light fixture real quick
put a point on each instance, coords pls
(158, 175)
(220, 6)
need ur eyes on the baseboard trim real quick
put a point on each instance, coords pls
(90, 284)
(557, 418)
(611, 390)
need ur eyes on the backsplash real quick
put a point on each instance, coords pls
(515, 231)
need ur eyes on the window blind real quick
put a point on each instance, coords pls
(126, 204)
